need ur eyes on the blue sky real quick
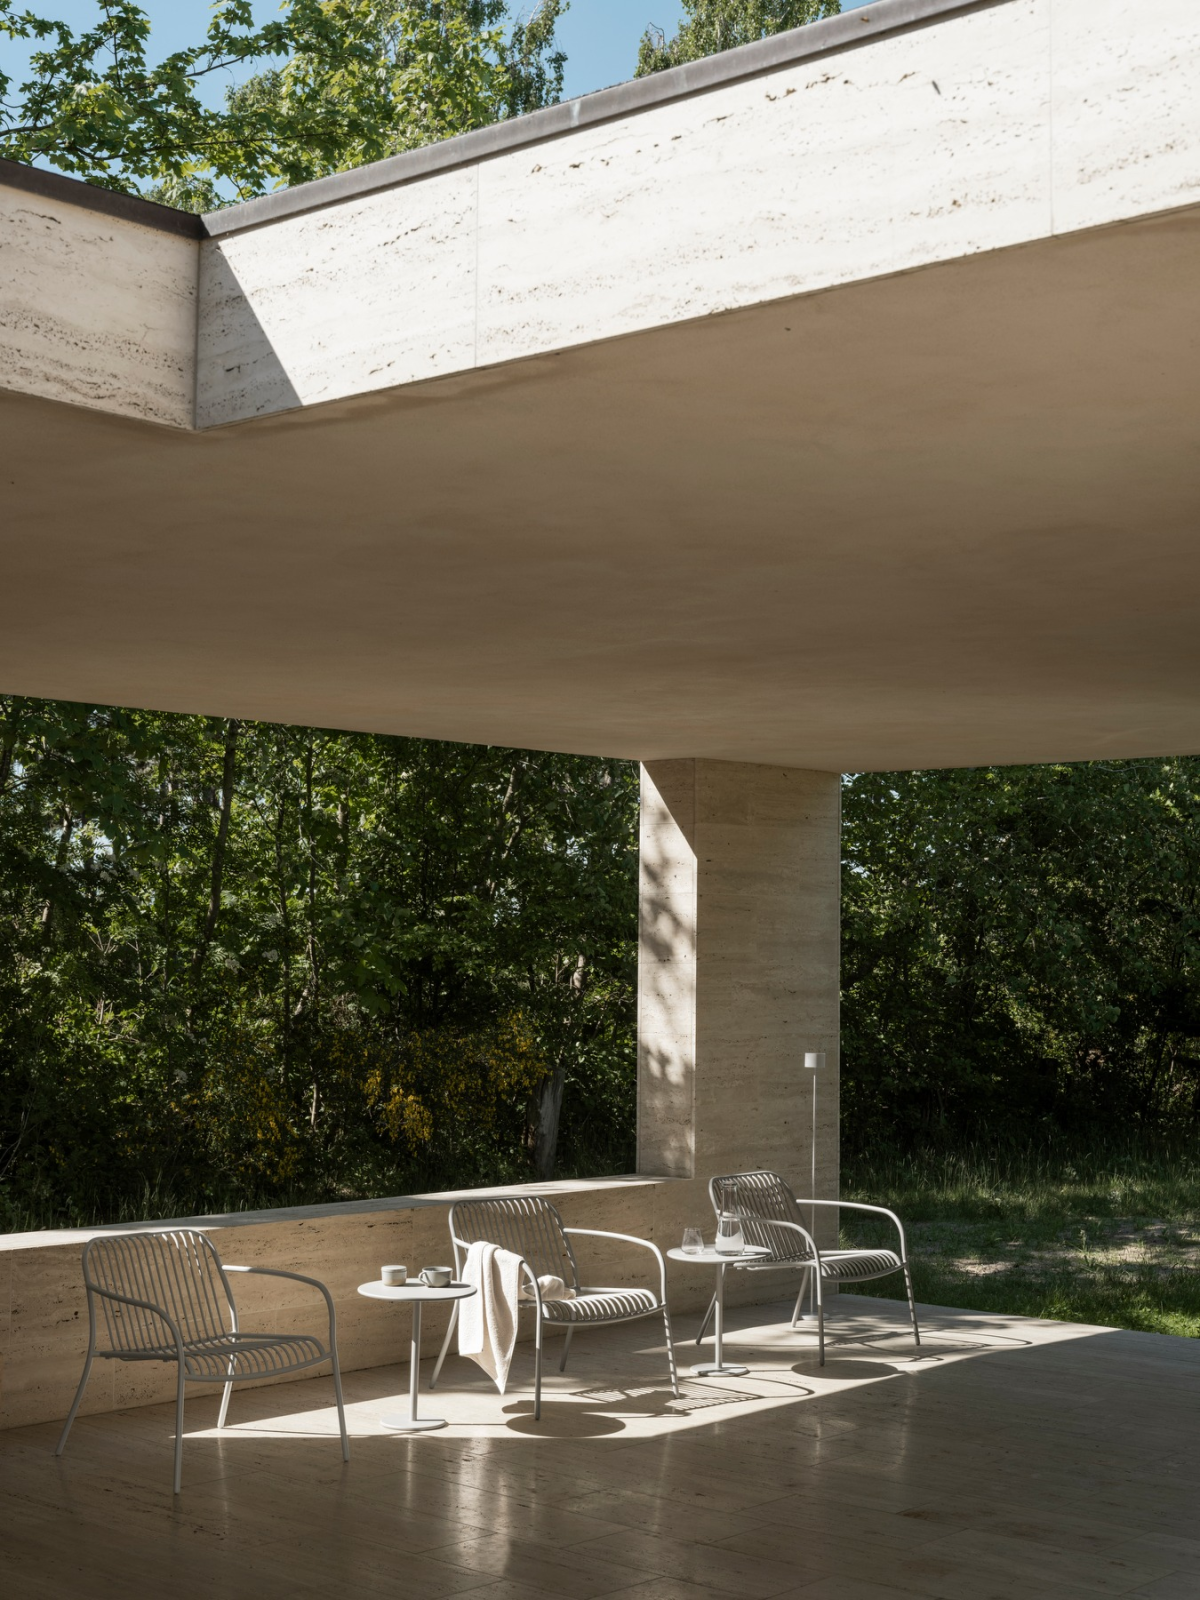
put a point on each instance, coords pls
(599, 36)
(601, 39)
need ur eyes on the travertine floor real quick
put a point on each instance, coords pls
(1015, 1459)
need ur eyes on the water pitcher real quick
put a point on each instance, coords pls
(730, 1240)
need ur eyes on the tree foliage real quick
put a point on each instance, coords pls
(1021, 951)
(711, 26)
(248, 961)
(340, 83)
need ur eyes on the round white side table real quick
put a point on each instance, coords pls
(718, 1367)
(416, 1294)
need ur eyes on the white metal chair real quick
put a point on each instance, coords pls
(165, 1296)
(773, 1218)
(532, 1228)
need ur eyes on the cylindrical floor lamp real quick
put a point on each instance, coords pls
(814, 1062)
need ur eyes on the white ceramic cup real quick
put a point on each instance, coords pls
(394, 1276)
(437, 1277)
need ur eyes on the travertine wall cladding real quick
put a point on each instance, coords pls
(840, 168)
(96, 310)
(1125, 136)
(369, 295)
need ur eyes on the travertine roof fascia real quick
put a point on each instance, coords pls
(108, 202)
(832, 35)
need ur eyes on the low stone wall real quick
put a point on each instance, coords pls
(43, 1308)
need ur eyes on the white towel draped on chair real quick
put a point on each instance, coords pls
(487, 1322)
(551, 1288)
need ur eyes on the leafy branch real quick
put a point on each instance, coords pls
(339, 83)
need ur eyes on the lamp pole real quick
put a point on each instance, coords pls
(814, 1062)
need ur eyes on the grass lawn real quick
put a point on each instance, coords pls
(1099, 1237)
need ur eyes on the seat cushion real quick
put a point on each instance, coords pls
(851, 1265)
(602, 1305)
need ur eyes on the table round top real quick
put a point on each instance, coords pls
(711, 1257)
(414, 1291)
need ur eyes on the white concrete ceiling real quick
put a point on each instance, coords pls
(937, 506)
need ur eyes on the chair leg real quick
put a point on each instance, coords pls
(87, 1369)
(670, 1351)
(437, 1371)
(820, 1318)
(912, 1306)
(178, 1484)
(341, 1404)
(804, 1282)
(537, 1373)
(228, 1390)
(712, 1306)
(562, 1365)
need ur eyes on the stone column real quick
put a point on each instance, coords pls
(738, 969)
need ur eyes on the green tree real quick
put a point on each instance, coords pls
(714, 25)
(242, 962)
(1021, 950)
(366, 79)
(342, 82)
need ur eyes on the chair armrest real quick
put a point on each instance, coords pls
(142, 1305)
(792, 1227)
(859, 1205)
(629, 1238)
(297, 1277)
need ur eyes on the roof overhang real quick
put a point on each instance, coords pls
(837, 411)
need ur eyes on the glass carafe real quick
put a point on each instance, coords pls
(730, 1239)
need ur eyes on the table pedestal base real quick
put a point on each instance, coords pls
(719, 1369)
(415, 1293)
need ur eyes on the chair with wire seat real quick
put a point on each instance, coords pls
(165, 1296)
(532, 1229)
(773, 1219)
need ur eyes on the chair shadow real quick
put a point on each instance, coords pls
(561, 1421)
(843, 1367)
(609, 1410)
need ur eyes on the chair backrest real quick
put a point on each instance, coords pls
(525, 1224)
(765, 1197)
(177, 1270)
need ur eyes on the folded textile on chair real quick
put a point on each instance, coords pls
(552, 1288)
(487, 1320)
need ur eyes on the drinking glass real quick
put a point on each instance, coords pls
(693, 1241)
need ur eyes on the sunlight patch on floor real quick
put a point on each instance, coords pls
(592, 1400)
